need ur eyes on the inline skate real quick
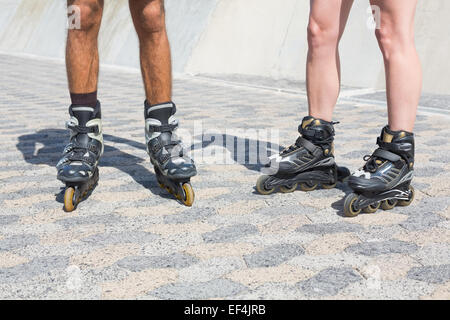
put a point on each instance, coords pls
(309, 162)
(384, 181)
(173, 167)
(78, 167)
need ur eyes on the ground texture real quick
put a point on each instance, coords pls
(131, 240)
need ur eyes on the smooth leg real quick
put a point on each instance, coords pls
(326, 25)
(402, 64)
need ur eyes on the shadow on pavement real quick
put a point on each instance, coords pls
(45, 147)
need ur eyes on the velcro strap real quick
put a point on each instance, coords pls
(79, 156)
(387, 155)
(302, 142)
(84, 129)
(163, 128)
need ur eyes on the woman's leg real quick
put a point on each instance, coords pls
(327, 22)
(403, 71)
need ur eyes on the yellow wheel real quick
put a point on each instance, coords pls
(372, 208)
(260, 186)
(388, 204)
(305, 186)
(349, 209)
(68, 199)
(405, 203)
(286, 189)
(328, 186)
(188, 194)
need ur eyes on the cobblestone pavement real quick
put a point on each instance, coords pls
(130, 239)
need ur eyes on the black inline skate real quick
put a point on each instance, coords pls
(78, 166)
(309, 162)
(173, 167)
(386, 177)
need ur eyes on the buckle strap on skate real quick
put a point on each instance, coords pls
(387, 155)
(403, 150)
(83, 129)
(163, 128)
(302, 142)
(79, 156)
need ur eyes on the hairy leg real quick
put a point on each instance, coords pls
(326, 25)
(403, 70)
(149, 21)
(82, 51)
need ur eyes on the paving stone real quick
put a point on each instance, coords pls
(230, 233)
(329, 281)
(273, 256)
(121, 237)
(433, 274)
(140, 263)
(204, 290)
(375, 248)
(18, 241)
(8, 219)
(33, 268)
(324, 228)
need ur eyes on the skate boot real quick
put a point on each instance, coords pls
(309, 162)
(173, 167)
(78, 165)
(385, 178)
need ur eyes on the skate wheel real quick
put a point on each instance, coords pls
(388, 204)
(328, 186)
(306, 186)
(372, 208)
(286, 189)
(349, 209)
(405, 203)
(69, 204)
(261, 186)
(188, 194)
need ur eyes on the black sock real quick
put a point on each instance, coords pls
(85, 99)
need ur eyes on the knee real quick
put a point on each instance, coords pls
(89, 14)
(392, 41)
(321, 37)
(152, 17)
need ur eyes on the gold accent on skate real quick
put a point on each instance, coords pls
(387, 137)
(306, 122)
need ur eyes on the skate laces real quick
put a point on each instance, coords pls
(372, 163)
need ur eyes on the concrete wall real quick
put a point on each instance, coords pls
(254, 37)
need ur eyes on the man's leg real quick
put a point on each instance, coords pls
(149, 21)
(402, 65)
(82, 52)
(326, 25)
(172, 165)
(78, 165)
